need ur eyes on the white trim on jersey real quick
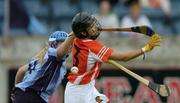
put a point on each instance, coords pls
(92, 58)
(86, 40)
(79, 78)
(104, 53)
(101, 50)
(92, 78)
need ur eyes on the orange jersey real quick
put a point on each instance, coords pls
(88, 56)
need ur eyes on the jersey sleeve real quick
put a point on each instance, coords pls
(101, 51)
(52, 52)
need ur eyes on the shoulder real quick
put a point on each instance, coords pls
(126, 18)
(144, 17)
(113, 15)
(52, 51)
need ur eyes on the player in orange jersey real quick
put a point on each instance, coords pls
(88, 56)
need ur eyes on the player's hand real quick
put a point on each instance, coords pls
(153, 41)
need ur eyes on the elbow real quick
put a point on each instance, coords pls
(23, 69)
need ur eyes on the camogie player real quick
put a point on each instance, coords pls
(36, 81)
(89, 55)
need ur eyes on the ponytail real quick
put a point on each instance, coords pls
(41, 54)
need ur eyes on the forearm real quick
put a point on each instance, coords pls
(20, 74)
(153, 41)
(63, 49)
(133, 54)
(125, 56)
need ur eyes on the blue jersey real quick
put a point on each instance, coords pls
(44, 78)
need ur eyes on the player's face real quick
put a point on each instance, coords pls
(93, 29)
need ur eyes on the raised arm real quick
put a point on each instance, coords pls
(153, 41)
(65, 46)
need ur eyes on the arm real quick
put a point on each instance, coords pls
(63, 49)
(154, 41)
(19, 77)
(125, 56)
(20, 73)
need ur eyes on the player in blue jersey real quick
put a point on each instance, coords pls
(36, 81)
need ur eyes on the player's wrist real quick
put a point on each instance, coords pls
(147, 48)
(143, 50)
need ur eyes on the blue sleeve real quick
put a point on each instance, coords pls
(52, 52)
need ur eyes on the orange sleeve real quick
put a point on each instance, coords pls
(100, 50)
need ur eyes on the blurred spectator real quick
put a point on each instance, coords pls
(165, 6)
(35, 27)
(106, 17)
(20, 20)
(49, 6)
(18, 15)
(135, 17)
(74, 2)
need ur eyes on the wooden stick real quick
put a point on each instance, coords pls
(162, 90)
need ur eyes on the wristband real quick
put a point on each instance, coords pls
(143, 51)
